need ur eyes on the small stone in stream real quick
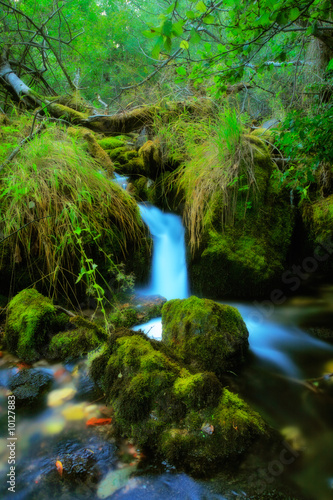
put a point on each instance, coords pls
(29, 385)
(207, 428)
(139, 310)
(59, 396)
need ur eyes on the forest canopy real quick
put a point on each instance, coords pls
(110, 47)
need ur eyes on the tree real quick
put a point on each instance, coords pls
(231, 39)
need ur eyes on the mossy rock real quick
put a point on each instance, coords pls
(201, 331)
(139, 310)
(133, 166)
(31, 321)
(319, 218)
(29, 386)
(135, 373)
(117, 154)
(109, 143)
(141, 188)
(74, 343)
(246, 259)
(197, 390)
(98, 153)
(78, 132)
(183, 415)
(213, 435)
(150, 152)
(266, 135)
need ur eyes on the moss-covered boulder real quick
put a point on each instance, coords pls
(32, 319)
(179, 413)
(213, 435)
(109, 143)
(139, 310)
(245, 256)
(265, 135)
(150, 152)
(83, 337)
(318, 217)
(211, 335)
(98, 153)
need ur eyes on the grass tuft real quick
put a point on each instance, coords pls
(84, 214)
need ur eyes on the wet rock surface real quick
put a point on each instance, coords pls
(29, 386)
(212, 336)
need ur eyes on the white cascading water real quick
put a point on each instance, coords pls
(169, 270)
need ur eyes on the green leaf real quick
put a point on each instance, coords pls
(201, 6)
(209, 19)
(167, 27)
(77, 231)
(294, 14)
(167, 43)
(150, 33)
(157, 48)
(190, 14)
(195, 37)
(181, 71)
(184, 44)
(177, 28)
(330, 65)
(170, 9)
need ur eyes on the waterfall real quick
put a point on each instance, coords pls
(169, 270)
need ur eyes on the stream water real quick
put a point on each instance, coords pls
(60, 430)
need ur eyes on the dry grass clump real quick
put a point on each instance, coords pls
(81, 212)
(219, 177)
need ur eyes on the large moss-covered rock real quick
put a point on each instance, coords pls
(246, 257)
(83, 338)
(31, 321)
(213, 336)
(213, 435)
(182, 414)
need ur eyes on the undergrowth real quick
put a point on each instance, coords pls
(79, 215)
(216, 174)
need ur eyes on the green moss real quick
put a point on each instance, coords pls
(73, 344)
(116, 154)
(198, 390)
(246, 259)
(31, 320)
(84, 323)
(266, 135)
(140, 311)
(151, 155)
(233, 414)
(213, 436)
(319, 217)
(211, 335)
(123, 317)
(183, 415)
(133, 166)
(109, 143)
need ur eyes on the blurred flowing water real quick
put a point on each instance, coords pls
(169, 270)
